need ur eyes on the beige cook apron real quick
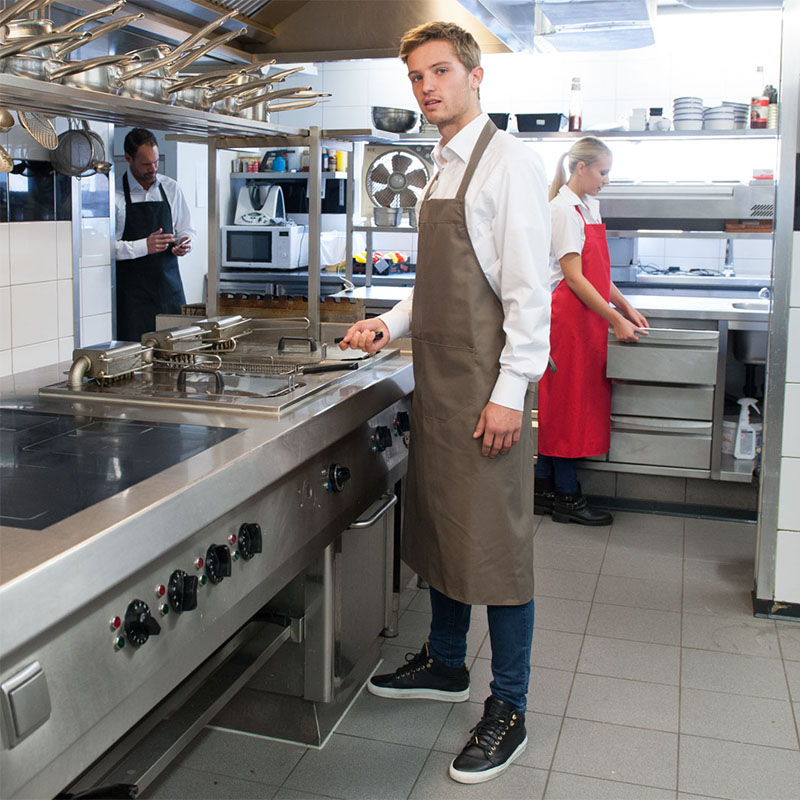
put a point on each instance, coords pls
(468, 528)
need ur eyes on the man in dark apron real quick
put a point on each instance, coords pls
(154, 229)
(480, 328)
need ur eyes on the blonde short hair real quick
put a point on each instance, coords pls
(588, 149)
(466, 48)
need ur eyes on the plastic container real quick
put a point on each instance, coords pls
(541, 122)
(745, 445)
(728, 436)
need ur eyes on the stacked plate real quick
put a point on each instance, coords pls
(718, 118)
(687, 113)
(741, 113)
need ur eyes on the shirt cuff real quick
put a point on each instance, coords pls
(509, 391)
(396, 320)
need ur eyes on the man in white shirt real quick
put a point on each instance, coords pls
(479, 320)
(153, 230)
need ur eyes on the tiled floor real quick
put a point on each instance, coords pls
(651, 679)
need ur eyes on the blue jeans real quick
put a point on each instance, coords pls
(511, 635)
(563, 471)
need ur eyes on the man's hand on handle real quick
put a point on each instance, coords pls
(499, 426)
(158, 242)
(361, 336)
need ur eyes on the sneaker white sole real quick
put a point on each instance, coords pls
(419, 694)
(488, 774)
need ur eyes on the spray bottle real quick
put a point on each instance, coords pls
(745, 446)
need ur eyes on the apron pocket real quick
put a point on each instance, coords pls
(445, 377)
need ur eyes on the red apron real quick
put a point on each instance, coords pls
(575, 401)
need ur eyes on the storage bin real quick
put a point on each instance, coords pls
(541, 122)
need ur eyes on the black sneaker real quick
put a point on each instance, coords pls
(574, 508)
(543, 493)
(423, 678)
(496, 741)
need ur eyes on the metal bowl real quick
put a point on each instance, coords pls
(387, 217)
(396, 120)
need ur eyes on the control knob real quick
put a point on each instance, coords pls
(402, 423)
(218, 562)
(381, 438)
(337, 477)
(140, 624)
(249, 540)
(182, 591)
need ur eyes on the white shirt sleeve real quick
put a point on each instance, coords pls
(568, 230)
(124, 251)
(521, 233)
(181, 219)
(398, 318)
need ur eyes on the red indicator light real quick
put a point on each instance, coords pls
(232, 538)
(198, 562)
(161, 590)
(115, 623)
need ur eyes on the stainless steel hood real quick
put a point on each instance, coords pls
(329, 30)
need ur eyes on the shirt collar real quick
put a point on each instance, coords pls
(462, 144)
(591, 204)
(134, 185)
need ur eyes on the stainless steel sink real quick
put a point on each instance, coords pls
(752, 305)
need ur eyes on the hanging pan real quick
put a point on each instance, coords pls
(78, 153)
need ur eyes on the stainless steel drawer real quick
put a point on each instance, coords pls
(661, 442)
(665, 355)
(671, 402)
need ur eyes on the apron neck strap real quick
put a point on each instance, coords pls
(578, 209)
(489, 130)
(127, 190)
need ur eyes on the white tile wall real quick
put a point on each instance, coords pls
(793, 349)
(95, 330)
(34, 313)
(6, 363)
(789, 497)
(64, 259)
(95, 242)
(5, 318)
(34, 356)
(5, 265)
(791, 421)
(33, 252)
(65, 348)
(95, 290)
(794, 291)
(65, 308)
(787, 569)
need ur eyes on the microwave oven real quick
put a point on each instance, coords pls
(265, 246)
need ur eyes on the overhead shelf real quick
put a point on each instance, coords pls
(65, 101)
(637, 136)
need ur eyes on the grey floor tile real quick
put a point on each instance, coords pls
(561, 786)
(730, 542)
(638, 661)
(291, 794)
(555, 649)
(548, 689)
(647, 523)
(634, 562)
(657, 544)
(412, 722)
(616, 752)
(735, 674)
(358, 769)
(241, 756)
(685, 796)
(755, 637)
(421, 602)
(564, 583)
(558, 614)
(623, 702)
(551, 555)
(755, 720)
(737, 771)
(789, 635)
(414, 628)
(542, 734)
(793, 678)
(703, 527)
(717, 598)
(182, 783)
(572, 535)
(636, 624)
(639, 593)
(516, 783)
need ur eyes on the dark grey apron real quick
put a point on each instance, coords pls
(151, 284)
(468, 527)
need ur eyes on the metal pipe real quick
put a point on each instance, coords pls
(78, 370)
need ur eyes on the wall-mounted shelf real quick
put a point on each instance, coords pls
(673, 234)
(64, 101)
(385, 228)
(285, 176)
(636, 136)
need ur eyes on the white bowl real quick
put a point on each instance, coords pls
(688, 125)
(718, 125)
(688, 98)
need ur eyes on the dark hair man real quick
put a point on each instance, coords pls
(153, 230)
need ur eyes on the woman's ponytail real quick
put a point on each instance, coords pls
(589, 149)
(559, 179)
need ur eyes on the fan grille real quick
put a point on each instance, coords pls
(396, 179)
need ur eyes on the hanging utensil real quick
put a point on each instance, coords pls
(284, 74)
(20, 8)
(40, 127)
(74, 154)
(294, 94)
(190, 58)
(6, 123)
(290, 106)
(98, 163)
(97, 32)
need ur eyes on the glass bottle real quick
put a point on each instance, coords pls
(575, 105)
(759, 102)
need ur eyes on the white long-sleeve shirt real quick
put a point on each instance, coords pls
(568, 227)
(508, 221)
(181, 221)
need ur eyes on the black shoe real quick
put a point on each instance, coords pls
(574, 508)
(496, 741)
(423, 678)
(543, 494)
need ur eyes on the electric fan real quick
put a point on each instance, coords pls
(396, 179)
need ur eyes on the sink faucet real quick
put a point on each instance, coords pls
(765, 292)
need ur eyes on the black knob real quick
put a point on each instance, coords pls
(218, 562)
(139, 623)
(182, 591)
(402, 423)
(249, 540)
(337, 477)
(381, 438)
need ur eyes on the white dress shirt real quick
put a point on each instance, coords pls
(181, 221)
(568, 227)
(509, 225)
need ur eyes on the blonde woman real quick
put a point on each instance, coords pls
(575, 401)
